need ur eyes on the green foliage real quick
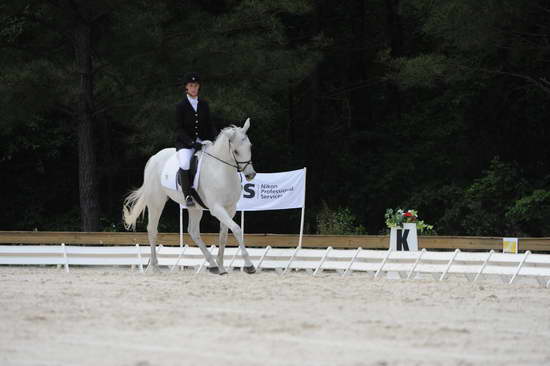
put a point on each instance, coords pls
(529, 214)
(340, 221)
(485, 206)
(398, 103)
(398, 217)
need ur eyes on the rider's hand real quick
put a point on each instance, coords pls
(197, 145)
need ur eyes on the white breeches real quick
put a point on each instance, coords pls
(184, 158)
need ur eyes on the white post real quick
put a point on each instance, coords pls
(303, 212)
(348, 269)
(484, 265)
(449, 264)
(291, 260)
(416, 263)
(519, 267)
(140, 261)
(65, 257)
(242, 226)
(259, 265)
(179, 257)
(181, 226)
(382, 264)
(322, 261)
(237, 252)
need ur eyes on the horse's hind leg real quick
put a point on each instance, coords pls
(153, 213)
(221, 214)
(193, 228)
(221, 247)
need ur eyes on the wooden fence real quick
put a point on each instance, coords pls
(273, 240)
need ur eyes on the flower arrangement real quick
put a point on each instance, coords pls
(396, 218)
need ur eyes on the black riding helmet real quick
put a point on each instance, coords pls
(191, 77)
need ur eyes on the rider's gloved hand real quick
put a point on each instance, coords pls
(197, 145)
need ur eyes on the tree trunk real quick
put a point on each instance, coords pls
(89, 197)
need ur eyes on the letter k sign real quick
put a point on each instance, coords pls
(402, 239)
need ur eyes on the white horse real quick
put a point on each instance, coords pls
(220, 189)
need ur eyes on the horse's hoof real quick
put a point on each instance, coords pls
(214, 270)
(251, 269)
(151, 268)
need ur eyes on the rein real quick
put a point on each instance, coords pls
(236, 166)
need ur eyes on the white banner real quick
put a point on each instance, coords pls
(273, 191)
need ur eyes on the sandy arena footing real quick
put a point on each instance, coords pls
(113, 316)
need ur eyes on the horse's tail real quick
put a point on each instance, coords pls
(136, 201)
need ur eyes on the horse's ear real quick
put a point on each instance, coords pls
(246, 125)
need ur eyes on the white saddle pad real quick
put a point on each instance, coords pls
(170, 169)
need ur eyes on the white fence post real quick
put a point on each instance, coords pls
(291, 260)
(382, 264)
(65, 257)
(484, 265)
(179, 257)
(259, 265)
(138, 249)
(348, 268)
(322, 260)
(420, 254)
(519, 266)
(449, 264)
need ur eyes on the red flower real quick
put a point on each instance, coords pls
(407, 214)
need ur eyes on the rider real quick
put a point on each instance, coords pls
(193, 126)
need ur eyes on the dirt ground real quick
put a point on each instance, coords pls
(113, 316)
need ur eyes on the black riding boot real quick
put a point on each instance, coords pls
(183, 179)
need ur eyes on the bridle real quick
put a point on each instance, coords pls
(237, 163)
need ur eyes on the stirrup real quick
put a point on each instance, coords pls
(189, 202)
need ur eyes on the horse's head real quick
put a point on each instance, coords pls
(241, 149)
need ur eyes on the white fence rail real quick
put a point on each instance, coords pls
(375, 262)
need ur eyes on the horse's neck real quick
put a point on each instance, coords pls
(220, 148)
(219, 153)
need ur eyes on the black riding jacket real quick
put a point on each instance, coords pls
(191, 125)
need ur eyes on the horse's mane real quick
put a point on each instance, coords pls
(222, 136)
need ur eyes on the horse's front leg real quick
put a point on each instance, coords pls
(221, 247)
(221, 214)
(195, 216)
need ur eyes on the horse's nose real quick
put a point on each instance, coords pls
(250, 176)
